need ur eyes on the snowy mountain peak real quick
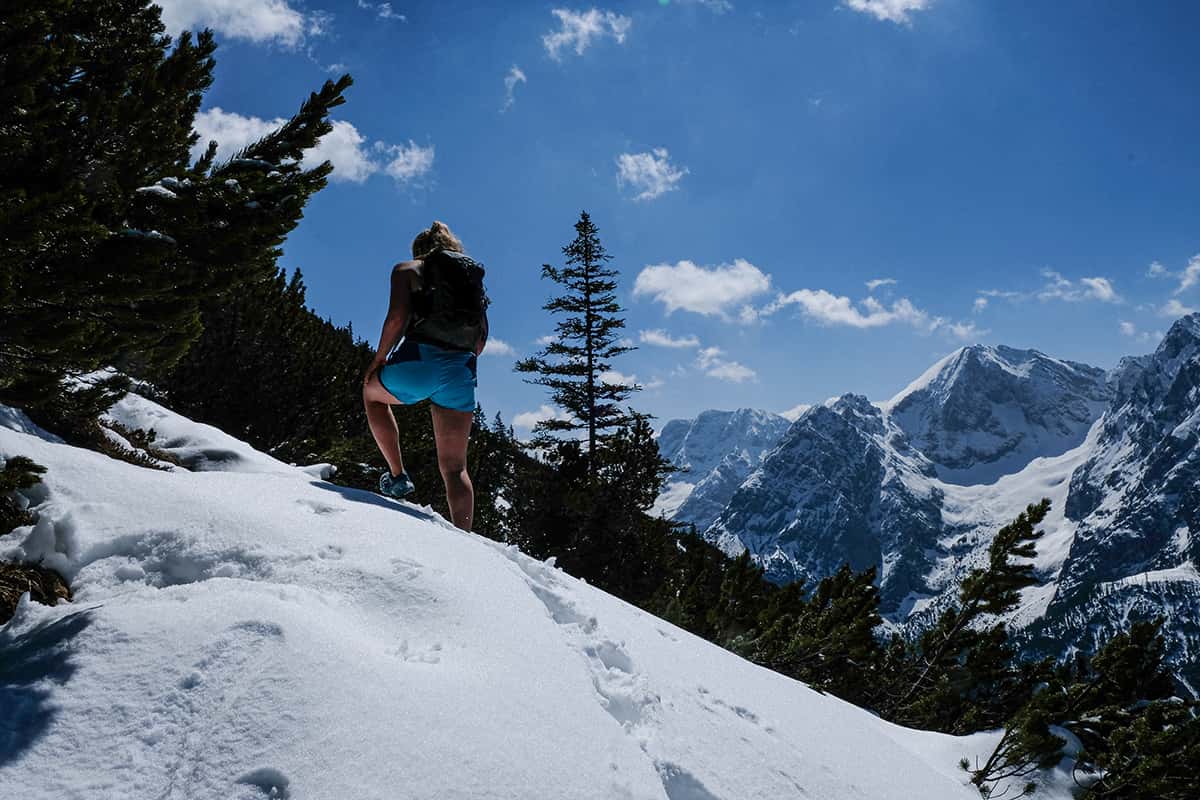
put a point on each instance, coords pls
(983, 411)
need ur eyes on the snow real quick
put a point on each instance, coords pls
(158, 191)
(248, 631)
(673, 496)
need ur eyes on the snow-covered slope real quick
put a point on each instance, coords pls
(714, 452)
(261, 633)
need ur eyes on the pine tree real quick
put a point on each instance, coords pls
(113, 241)
(944, 688)
(574, 364)
(1139, 742)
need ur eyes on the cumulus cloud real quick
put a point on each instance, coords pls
(1156, 270)
(827, 308)
(714, 364)
(1059, 288)
(660, 338)
(499, 347)
(255, 20)
(514, 76)
(618, 378)
(720, 291)
(889, 10)
(579, 29)
(343, 146)
(980, 304)
(649, 174)
(1131, 330)
(1174, 308)
(874, 284)
(406, 163)
(527, 419)
(830, 309)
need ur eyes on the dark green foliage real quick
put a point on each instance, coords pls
(19, 473)
(1138, 741)
(112, 239)
(826, 640)
(572, 366)
(962, 675)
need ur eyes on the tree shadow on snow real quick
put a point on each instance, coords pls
(26, 660)
(372, 499)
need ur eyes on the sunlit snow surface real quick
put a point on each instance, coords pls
(250, 631)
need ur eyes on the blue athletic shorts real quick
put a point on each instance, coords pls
(418, 371)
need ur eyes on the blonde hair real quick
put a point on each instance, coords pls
(436, 237)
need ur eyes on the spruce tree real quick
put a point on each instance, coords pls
(573, 365)
(113, 240)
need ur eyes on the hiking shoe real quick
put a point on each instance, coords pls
(396, 486)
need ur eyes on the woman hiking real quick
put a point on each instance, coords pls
(437, 313)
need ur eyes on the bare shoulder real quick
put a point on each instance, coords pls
(408, 266)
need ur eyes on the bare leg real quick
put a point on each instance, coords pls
(378, 402)
(452, 431)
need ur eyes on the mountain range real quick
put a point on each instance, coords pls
(916, 487)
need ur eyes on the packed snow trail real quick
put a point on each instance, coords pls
(252, 631)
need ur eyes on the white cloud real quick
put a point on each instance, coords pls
(499, 347)
(964, 331)
(1059, 288)
(579, 29)
(406, 162)
(514, 76)
(343, 146)
(872, 285)
(547, 339)
(1130, 330)
(827, 308)
(889, 10)
(649, 174)
(255, 20)
(830, 309)
(382, 10)
(1100, 289)
(712, 291)
(1190, 275)
(1174, 308)
(980, 304)
(527, 419)
(1156, 270)
(619, 378)
(714, 364)
(660, 338)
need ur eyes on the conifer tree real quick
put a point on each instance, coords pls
(113, 240)
(941, 690)
(574, 364)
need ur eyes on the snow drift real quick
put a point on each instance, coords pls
(251, 631)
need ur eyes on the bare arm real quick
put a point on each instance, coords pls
(397, 314)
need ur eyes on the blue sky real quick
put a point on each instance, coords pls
(1020, 173)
